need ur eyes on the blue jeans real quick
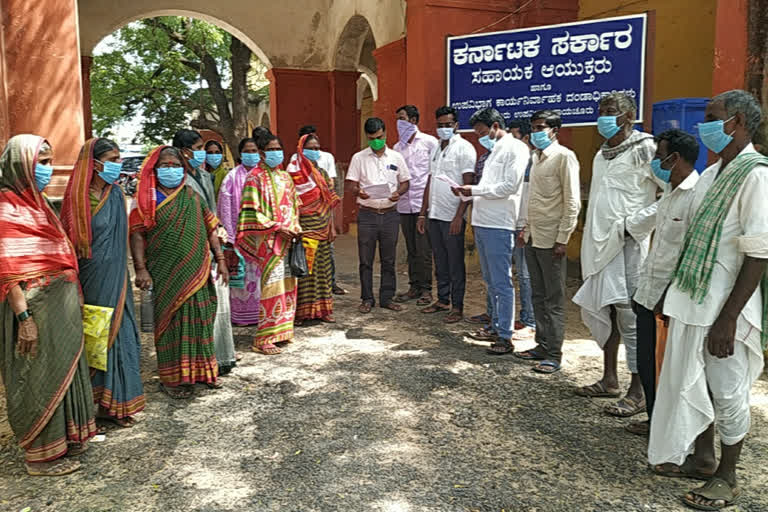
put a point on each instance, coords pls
(524, 281)
(495, 246)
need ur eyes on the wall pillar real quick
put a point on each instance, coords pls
(391, 70)
(731, 40)
(86, 63)
(42, 73)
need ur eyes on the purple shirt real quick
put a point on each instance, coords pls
(230, 194)
(417, 154)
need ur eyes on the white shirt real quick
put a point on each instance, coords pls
(619, 196)
(745, 233)
(417, 154)
(326, 162)
(673, 216)
(454, 161)
(366, 168)
(498, 196)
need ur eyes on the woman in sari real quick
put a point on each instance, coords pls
(269, 221)
(244, 301)
(94, 217)
(317, 199)
(47, 386)
(214, 157)
(172, 232)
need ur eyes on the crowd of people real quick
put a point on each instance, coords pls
(673, 262)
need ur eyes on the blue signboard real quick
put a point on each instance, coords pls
(566, 68)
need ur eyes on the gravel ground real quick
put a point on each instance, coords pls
(385, 412)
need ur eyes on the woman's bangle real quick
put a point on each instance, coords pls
(220, 257)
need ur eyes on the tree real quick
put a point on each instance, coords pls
(155, 69)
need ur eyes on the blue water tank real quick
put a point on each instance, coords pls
(682, 114)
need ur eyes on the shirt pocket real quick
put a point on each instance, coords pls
(674, 233)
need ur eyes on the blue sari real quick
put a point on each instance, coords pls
(105, 282)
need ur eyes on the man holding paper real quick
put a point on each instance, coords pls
(453, 162)
(377, 176)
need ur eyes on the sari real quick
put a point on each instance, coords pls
(269, 203)
(313, 185)
(178, 260)
(98, 229)
(49, 397)
(243, 301)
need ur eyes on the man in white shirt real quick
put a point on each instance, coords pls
(715, 305)
(377, 176)
(616, 236)
(453, 162)
(496, 204)
(417, 149)
(676, 154)
(554, 202)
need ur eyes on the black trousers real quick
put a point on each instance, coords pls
(382, 229)
(548, 275)
(646, 353)
(419, 254)
(450, 270)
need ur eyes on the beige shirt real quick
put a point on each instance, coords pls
(554, 196)
(366, 168)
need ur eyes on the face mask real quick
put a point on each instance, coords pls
(487, 142)
(250, 160)
(377, 144)
(540, 140)
(405, 129)
(713, 135)
(198, 157)
(661, 173)
(43, 175)
(214, 160)
(110, 171)
(274, 158)
(607, 126)
(170, 177)
(312, 154)
(445, 133)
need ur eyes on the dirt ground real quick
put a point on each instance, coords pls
(384, 412)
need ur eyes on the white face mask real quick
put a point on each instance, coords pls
(445, 133)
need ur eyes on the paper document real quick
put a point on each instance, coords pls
(378, 191)
(453, 184)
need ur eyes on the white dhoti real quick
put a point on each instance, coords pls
(689, 373)
(614, 285)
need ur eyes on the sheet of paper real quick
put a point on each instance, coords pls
(378, 191)
(453, 184)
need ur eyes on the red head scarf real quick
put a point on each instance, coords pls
(76, 208)
(146, 195)
(303, 172)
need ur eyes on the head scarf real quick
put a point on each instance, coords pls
(308, 172)
(33, 243)
(76, 208)
(146, 195)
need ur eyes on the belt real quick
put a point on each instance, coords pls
(379, 211)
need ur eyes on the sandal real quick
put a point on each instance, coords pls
(77, 449)
(530, 355)
(453, 317)
(338, 290)
(483, 334)
(424, 300)
(126, 422)
(177, 392)
(687, 470)
(547, 367)
(328, 319)
(214, 385)
(365, 308)
(268, 350)
(625, 408)
(597, 390)
(436, 307)
(639, 428)
(500, 347)
(56, 468)
(716, 491)
(407, 296)
(482, 319)
(393, 307)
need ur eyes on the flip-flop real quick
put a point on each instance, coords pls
(597, 390)
(424, 300)
(715, 489)
(453, 317)
(530, 355)
(393, 307)
(625, 408)
(482, 319)
(178, 393)
(483, 334)
(273, 349)
(547, 367)
(500, 348)
(407, 296)
(639, 428)
(60, 468)
(365, 308)
(685, 471)
(436, 307)
(77, 450)
(126, 422)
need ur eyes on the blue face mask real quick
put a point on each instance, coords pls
(43, 175)
(661, 173)
(312, 154)
(170, 177)
(250, 160)
(540, 140)
(213, 159)
(486, 142)
(198, 157)
(274, 157)
(607, 126)
(110, 171)
(713, 135)
(445, 133)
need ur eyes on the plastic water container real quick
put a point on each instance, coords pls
(682, 114)
(147, 311)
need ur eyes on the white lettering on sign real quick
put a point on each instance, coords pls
(566, 44)
(497, 53)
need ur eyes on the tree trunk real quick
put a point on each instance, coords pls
(241, 65)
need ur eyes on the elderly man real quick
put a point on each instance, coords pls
(715, 305)
(615, 243)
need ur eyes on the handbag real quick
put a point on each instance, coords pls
(96, 323)
(297, 259)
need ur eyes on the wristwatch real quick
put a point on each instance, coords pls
(23, 315)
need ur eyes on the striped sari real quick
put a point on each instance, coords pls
(49, 397)
(178, 259)
(268, 204)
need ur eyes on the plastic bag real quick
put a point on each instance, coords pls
(96, 323)
(310, 250)
(298, 260)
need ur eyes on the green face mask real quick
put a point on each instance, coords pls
(377, 144)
